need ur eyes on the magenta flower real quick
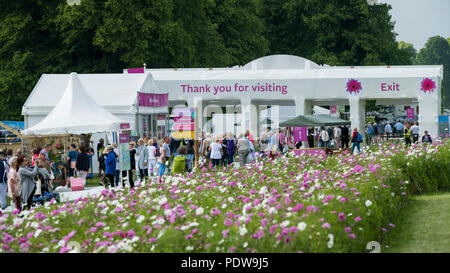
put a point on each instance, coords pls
(341, 216)
(264, 222)
(228, 222)
(273, 228)
(352, 236)
(353, 86)
(427, 85)
(225, 233)
(391, 225)
(100, 224)
(189, 236)
(348, 229)
(357, 219)
(326, 225)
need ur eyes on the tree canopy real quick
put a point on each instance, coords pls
(98, 36)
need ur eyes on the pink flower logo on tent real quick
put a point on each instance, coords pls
(428, 85)
(353, 86)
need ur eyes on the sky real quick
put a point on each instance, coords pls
(418, 20)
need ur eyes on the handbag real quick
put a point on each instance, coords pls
(76, 184)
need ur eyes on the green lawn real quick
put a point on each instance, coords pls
(424, 226)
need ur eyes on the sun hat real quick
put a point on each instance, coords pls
(109, 147)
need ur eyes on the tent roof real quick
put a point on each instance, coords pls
(75, 113)
(105, 89)
(313, 120)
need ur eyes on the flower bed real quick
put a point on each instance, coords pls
(311, 203)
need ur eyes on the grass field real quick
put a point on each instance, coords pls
(424, 226)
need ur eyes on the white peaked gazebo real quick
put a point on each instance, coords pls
(76, 113)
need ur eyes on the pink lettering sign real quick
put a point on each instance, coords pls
(300, 134)
(333, 109)
(385, 87)
(153, 100)
(410, 113)
(136, 70)
(123, 138)
(124, 126)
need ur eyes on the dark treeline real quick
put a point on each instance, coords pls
(97, 36)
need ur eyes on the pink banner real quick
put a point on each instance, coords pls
(136, 70)
(161, 117)
(410, 113)
(300, 134)
(333, 109)
(124, 126)
(123, 138)
(183, 127)
(153, 100)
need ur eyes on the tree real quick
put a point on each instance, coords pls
(333, 32)
(409, 48)
(437, 52)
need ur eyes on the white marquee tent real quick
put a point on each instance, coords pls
(75, 113)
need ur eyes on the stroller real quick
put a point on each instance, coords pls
(45, 191)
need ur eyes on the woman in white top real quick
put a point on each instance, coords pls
(151, 157)
(216, 152)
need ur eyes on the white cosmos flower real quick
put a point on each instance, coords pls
(242, 231)
(36, 234)
(189, 248)
(199, 211)
(368, 203)
(140, 219)
(301, 226)
(284, 224)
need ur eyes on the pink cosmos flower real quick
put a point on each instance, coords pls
(189, 236)
(357, 219)
(225, 233)
(348, 229)
(326, 225)
(273, 228)
(352, 236)
(427, 85)
(228, 222)
(341, 216)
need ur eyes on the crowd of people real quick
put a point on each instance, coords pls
(20, 175)
(161, 156)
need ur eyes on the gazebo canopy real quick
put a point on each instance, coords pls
(76, 113)
(313, 120)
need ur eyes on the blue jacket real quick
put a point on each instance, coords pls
(111, 163)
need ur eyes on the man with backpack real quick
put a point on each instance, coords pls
(370, 133)
(4, 170)
(357, 139)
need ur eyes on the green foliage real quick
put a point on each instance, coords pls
(409, 48)
(100, 36)
(333, 32)
(437, 52)
(426, 170)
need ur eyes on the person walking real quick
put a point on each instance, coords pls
(281, 141)
(426, 138)
(310, 137)
(110, 164)
(216, 152)
(263, 142)
(151, 158)
(71, 161)
(14, 183)
(104, 156)
(132, 165)
(356, 140)
(324, 137)
(231, 148)
(205, 149)
(179, 161)
(118, 167)
(243, 149)
(388, 130)
(399, 128)
(27, 184)
(345, 136)
(101, 161)
(337, 136)
(82, 164)
(415, 132)
(4, 172)
(407, 134)
(142, 154)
